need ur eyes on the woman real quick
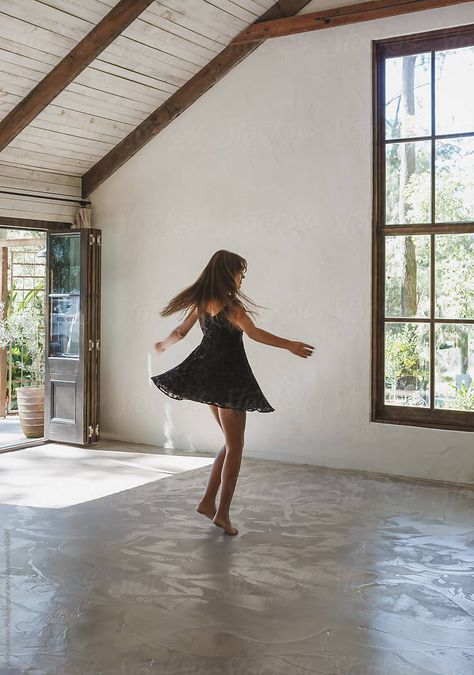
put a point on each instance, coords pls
(217, 372)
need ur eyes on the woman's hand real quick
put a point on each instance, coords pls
(300, 349)
(159, 347)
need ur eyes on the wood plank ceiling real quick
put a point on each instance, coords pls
(152, 58)
(169, 54)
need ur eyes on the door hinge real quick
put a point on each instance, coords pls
(91, 431)
(91, 239)
(96, 429)
(99, 240)
(97, 345)
(91, 345)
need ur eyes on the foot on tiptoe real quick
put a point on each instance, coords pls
(206, 508)
(224, 522)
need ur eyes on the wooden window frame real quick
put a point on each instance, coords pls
(431, 417)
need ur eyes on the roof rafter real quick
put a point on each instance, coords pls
(32, 224)
(337, 16)
(110, 27)
(180, 100)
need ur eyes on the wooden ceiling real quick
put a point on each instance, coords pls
(148, 62)
(85, 83)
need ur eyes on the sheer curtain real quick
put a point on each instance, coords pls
(83, 217)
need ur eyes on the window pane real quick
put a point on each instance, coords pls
(408, 96)
(454, 366)
(65, 278)
(454, 265)
(407, 364)
(407, 276)
(455, 180)
(408, 187)
(454, 91)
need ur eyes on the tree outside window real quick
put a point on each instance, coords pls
(424, 230)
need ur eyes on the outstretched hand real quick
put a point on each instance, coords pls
(159, 347)
(301, 349)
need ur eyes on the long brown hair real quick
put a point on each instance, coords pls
(217, 284)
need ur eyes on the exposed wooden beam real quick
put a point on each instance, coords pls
(337, 16)
(110, 27)
(180, 100)
(29, 224)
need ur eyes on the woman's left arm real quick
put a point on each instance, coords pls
(179, 332)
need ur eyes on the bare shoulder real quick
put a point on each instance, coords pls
(234, 307)
(242, 319)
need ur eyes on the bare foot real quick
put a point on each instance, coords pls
(223, 522)
(206, 509)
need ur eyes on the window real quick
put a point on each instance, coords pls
(423, 230)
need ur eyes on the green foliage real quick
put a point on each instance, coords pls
(394, 261)
(463, 398)
(408, 192)
(23, 331)
(455, 275)
(450, 203)
(402, 355)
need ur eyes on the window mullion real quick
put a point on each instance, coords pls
(432, 360)
(432, 323)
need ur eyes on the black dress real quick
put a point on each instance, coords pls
(216, 372)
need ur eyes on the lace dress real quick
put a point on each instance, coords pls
(216, 372)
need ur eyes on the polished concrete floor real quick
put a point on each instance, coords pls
(106, 569)
(10, 431)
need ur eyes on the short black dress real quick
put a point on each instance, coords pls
(216, 372)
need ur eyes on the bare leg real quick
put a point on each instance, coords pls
(207, 505)
(233, 424)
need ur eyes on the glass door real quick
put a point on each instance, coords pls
(72, 326)
(22, 291)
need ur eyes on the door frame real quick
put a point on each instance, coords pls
(8, 223)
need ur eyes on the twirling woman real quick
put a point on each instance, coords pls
(217, 372)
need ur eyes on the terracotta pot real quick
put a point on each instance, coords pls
(31, 410)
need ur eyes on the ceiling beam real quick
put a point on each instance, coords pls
(29, 224)
(337, 16)
(180, 100)
(110, 27)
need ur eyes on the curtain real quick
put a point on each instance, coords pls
(83, 217)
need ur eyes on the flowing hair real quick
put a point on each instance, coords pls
(216, 283)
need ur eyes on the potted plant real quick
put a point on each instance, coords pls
(24, 328)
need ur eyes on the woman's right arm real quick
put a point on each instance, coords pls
(245, 323)
(179, 332)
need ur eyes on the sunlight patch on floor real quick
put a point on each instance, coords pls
(55, 476)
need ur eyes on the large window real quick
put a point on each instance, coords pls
(423, 230)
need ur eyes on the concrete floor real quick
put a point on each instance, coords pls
(10, 431)
(106, 569)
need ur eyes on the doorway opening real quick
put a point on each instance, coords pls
(22, 336)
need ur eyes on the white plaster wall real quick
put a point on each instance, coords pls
(274, 163)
